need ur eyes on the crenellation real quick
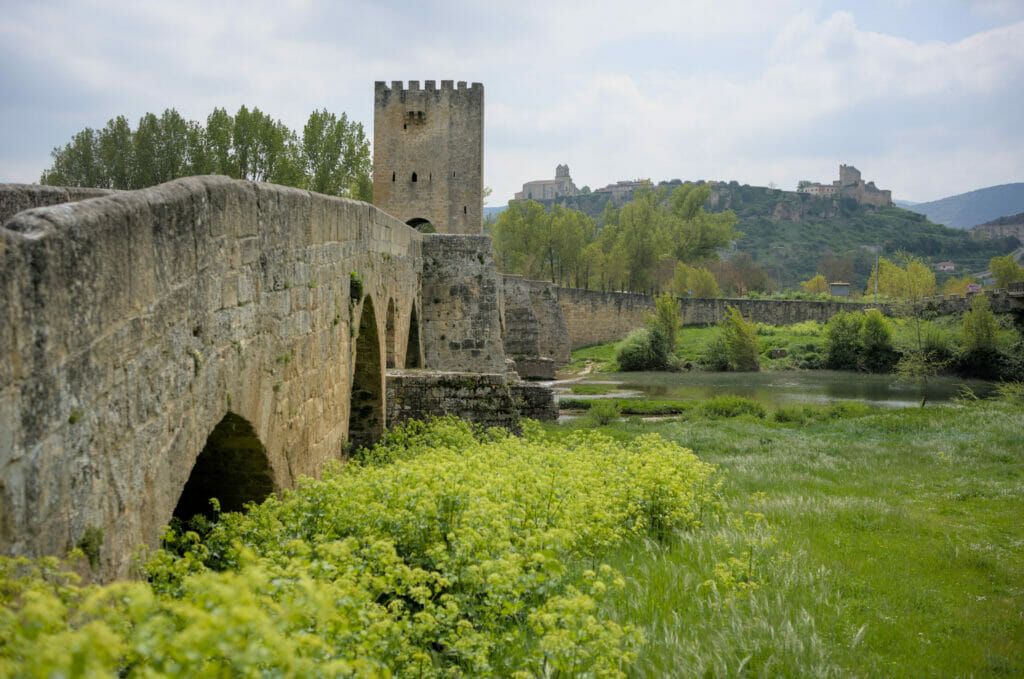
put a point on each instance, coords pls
(146, 320)
(428, 156)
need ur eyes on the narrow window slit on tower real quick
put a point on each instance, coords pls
(463, 209)
(414, 176)
(392, 176)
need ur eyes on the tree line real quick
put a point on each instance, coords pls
(331, 156)
(660, 241)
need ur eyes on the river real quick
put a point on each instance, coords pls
(773, 389)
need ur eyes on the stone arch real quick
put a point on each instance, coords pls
(390, 343)
(422, 225)
(232, 467)
(412, 345)
(366, 407)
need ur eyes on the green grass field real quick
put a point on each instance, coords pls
(892, 544)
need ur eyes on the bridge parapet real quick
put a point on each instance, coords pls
(137, 321)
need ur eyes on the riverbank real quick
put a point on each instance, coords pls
(803, 346)
(891, 545)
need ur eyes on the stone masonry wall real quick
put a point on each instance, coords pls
(461, 306)
(491, 400)
(15, 198)
(521, 329)
(594, 316)
(552, 329)
(131, 324)
(428, 153)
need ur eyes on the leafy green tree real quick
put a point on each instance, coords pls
(843, 341)
(145, 147)
(518, 233)
(1005, 270)
(980, 327)
(333, 158)
(219, 135)
(815, 286)
(335, 154)
(641, 238)
(740, 339)
(696, 234)
(689, 281)
(77, 164)
(910, 279)
(740, 274)
(115, 153)
(980, 355)
(957, 286)
(910, 282)
(877, 351)
(664, 325)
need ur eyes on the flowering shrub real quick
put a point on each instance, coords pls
(444, 552)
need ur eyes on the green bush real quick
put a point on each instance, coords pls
(843, 341)
(652, 348)
(715, 355)
(635, 353)
(807, 355)
(630, 406)
(470, 554)
(980, 355)
(877, 351)
(734, 346)
(731, 406)
(808, 413)
(740, 338)
(791, 414)
(603, 412)
(664, 326)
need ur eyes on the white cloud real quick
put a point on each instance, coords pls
(741, 90)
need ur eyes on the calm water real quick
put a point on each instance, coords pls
(780, 388)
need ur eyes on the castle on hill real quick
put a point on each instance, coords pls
(850, 185)
(546, 189)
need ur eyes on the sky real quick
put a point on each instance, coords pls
(924, 97)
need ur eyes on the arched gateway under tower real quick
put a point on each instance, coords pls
(428, 153)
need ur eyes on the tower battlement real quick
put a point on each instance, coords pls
(397, 92)
(428, 153)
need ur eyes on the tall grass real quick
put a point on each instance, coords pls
(891, 545)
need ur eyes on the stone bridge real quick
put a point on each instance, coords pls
(212, 337)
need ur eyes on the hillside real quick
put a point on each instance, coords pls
(797, 235)
(975, 207)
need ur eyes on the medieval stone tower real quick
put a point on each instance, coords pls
(428, 150)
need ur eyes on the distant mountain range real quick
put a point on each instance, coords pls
(972, 208)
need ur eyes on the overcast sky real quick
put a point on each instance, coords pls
(925, 97)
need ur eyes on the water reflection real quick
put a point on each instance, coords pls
(780, 388)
